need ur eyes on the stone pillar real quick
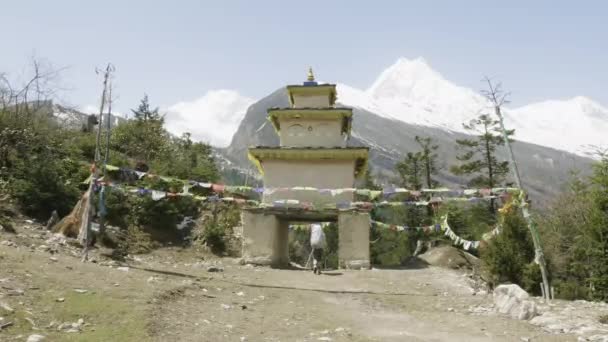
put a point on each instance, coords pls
(265, 239)
(280, 256)
(353, 246)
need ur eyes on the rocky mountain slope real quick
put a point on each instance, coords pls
(543, 169)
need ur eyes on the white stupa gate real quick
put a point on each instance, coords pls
(313, 133)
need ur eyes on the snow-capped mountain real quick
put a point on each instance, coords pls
(410, 98)
(412, 92)
(578, 125)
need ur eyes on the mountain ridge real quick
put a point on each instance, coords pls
(411, 91)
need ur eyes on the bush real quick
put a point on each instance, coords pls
(46, 187)
(215, 237)
(469, 221)
(218, 226)
(133, 240)
(390, 248)
(509, 256)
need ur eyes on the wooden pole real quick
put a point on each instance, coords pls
(95, 172)
(102, 219)
(539, 256)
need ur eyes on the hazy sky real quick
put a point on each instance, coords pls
(178, 50)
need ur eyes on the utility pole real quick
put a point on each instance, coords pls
(86, 238)
(494, 94)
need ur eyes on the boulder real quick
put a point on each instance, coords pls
(449, 257)
(512, 300)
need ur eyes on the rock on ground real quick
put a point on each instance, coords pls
(514, 301)
(576, 317)
(449, 257)
(35, 338)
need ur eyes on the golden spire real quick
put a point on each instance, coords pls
(311, 76)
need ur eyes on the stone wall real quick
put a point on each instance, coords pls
(353, 246)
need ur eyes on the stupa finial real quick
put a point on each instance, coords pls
(311, 76)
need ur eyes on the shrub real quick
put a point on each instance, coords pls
(509, 255)
(218, 226)
(133, 240)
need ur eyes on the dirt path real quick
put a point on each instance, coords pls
(262, 304)
(170, 296)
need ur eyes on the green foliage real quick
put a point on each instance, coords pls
(390, 248)
(469, 221)
(134, 240)
(331, 251)
(145, 140)
(478, 156)
(419, 167)
(410, 171)
(575, 235)
(218, 226)
(39, 163)
(186, 159)
(509, 256)
(428, 156)
(145, 113)
(140, 140)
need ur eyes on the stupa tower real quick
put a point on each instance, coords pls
(311, 168)
(313, 133)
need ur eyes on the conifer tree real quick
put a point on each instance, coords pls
(428, 157)
(478, 155)
(411, 171)
(143, 138)
(144, 113)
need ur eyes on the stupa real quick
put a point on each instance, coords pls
(308, 178)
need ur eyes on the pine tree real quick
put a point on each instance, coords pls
(411, 170)
(144, 113)
(596, 235)
(428, 157)
(143, 138)
(478, 157)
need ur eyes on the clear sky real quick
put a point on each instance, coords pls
(178, 50)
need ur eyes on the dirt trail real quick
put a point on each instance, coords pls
(170, 296)
(261, 304)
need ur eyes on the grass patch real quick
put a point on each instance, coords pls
(110, 319)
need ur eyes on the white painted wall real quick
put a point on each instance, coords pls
(311, 133)
(311, 101)
(328, 174)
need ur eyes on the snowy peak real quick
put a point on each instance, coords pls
(576, 108)
(412, 92)
(404, 78)
(576, 125)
